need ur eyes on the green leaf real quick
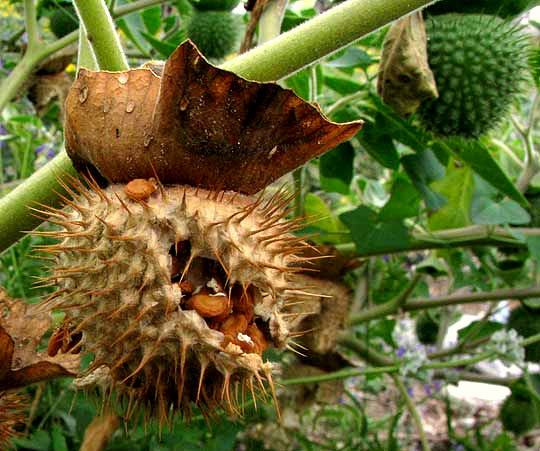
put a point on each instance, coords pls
(534, 64)
(163, 48)
(533, 243)
(152, 19)
(404, 201)
(487, 329)
(300, 82)
(40, 440)
(336, 168)
(486, 211)
(372, 236)
(58, 440)
(424, 168)
(330, 227)
(342, 85)
(478, 157)
(457, 187)
(379, 145)
(351, 57)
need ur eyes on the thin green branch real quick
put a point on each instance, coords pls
(388, 308)
(468, 298)
(412, 410)
(31, 26)
(475, 235)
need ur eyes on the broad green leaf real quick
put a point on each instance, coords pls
(424, 168)
(40, 440)
(478, 157)
(336, 168)
(372, 236)
(301, 82)
(152, 19)
(351, 57)
(330, 228)
(342, 85)
(487, 211)
(379, 145)
(162, 47)
(533, 243)
(184, 7)
(485, 330)
(401, 130)
(404, 201)
(457, 187)
(58, 440)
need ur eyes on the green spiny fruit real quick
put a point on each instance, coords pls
(518, 413)
(215, 5)
(427, 329)
(501, 8)
(526, 322)
(215, 33)
(479, 63)
(64, 20)
(176, 291)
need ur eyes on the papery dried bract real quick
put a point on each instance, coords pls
(194, 124)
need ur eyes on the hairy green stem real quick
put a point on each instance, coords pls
(16, 215)
(413, 411)
(319, 37)
(101, 34)
(31, 25)
(276, 59)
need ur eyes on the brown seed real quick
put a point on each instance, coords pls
(208, 305)
(243, 301)
(186, 287)
(140, 189)
(260, 342)
(175, 266)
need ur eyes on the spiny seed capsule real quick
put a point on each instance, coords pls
(176, 294)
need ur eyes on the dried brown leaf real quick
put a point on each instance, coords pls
(405, 79)
(193, 124)
(21, 329)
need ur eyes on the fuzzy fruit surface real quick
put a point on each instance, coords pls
(215, 33)
(178, 294)
(526, 322)
(479, 63)
(215, 5)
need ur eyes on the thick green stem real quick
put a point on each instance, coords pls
(276, 59)
(16, 215)
(319, 37)
(31, 26)
(101, 34)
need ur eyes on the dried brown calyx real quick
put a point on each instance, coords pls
(178, 290)
(195, 124)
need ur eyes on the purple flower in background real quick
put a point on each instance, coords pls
(3, 132)
(401, 351)
(410, 391)
(45, 149)
(428, 390)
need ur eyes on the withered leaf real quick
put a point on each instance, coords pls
(21, 329)
(405, 79)
(194, 124)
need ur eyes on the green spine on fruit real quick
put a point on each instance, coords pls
(64, 21)
(518, 413)
(215, 33)
(215, 5)
(526, 322)
(427, 329)
(479, 63)
(501, 8)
